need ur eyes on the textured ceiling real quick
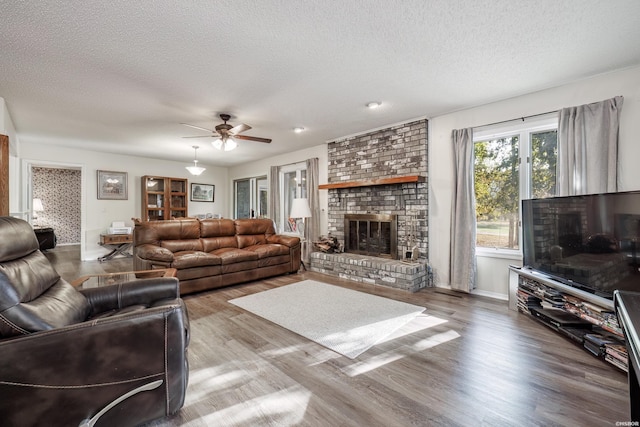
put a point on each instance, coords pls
(120, 76)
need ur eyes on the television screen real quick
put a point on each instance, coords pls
(590, 242)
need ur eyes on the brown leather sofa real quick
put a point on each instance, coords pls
(107, 356)
(212, 253)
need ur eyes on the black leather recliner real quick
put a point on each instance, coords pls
(107, 356)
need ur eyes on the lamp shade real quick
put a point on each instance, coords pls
(195, 169)
(300, 208)
(225, 144)
(37, 205)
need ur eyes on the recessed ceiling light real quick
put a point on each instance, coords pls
(374, 104)
(298, 129)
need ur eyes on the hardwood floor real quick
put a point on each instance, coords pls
(469, 361)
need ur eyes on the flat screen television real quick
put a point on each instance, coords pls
(589, 242)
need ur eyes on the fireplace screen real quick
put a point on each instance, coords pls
(369, 234)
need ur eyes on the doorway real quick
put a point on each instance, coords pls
(59, 190)
(251, 197)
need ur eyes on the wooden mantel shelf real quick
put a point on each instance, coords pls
(373, 182)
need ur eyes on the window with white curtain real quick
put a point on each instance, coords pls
(511, 162)
(293, 184)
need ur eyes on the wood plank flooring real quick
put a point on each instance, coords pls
(468, 361)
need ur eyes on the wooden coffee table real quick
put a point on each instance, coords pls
(97, 280)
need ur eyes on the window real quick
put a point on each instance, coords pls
(511, 163)
(251, 197)
(293, 184)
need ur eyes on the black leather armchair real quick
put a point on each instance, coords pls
(109, 356)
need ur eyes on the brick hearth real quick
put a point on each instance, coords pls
(373, 270)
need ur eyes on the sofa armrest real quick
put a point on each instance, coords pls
(84, 367)
(146, 292)
(281, 239)
(154, 253)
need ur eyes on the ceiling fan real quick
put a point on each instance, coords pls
(225, 134)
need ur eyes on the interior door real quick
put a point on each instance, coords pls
(251, 197)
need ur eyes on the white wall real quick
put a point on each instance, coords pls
(492, 272)
(261, 167)
(97, 215)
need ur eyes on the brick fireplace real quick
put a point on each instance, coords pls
(381, 173)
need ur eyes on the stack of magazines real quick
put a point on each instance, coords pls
(617, 356)
(526, 301)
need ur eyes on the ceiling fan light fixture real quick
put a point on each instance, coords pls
(195, 169)
(224, 132)
(230, 144)
(225, 144)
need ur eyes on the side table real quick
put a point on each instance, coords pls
(118, 243)
(107, 279)
(46, 237)
(303, 246)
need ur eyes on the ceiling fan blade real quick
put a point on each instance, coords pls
(239, 128)
(202, 136)
(197, 127)
(252, 138)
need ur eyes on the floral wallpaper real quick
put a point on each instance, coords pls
(59, 190)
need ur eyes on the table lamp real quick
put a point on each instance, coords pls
(300, 209)
(37, 207)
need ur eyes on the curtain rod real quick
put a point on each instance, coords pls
(294, 163)
(517, 118)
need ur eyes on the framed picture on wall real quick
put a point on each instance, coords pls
(202, 192)
(112, 185)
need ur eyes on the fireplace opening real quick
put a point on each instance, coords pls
(371, 234)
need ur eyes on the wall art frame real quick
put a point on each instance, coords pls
(202, 192)
(112, 185)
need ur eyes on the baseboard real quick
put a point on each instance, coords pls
(488, 294)
(479, 292)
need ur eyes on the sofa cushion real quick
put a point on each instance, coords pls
(253, 231)
(154, 253)
(274, 260)
(56, 305)
(156, 231)
(212, 243)
(217, 233)
(25, 279)
(210, 271)
(217, 228)
(182, 245)
(268, 250)
(289, 241)
(61, 305)
(189, 259)
(234, 255)
(20, 234)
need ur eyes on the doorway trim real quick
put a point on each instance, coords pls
(27, 192)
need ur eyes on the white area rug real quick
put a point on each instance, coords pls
(346, 321)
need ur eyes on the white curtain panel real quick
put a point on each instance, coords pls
(588, 148)
(312, 230)
(274, 196)
(463, 221)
